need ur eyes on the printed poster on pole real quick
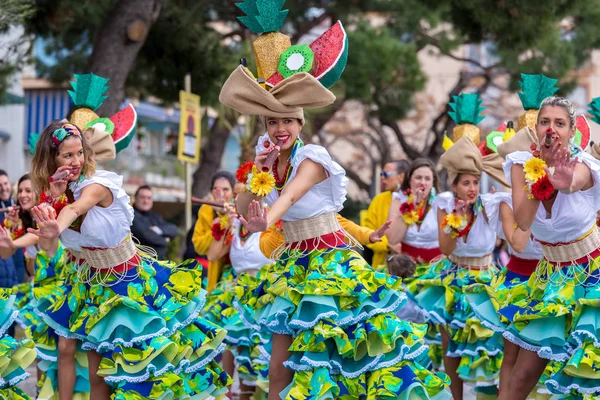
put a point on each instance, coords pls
(189, 128)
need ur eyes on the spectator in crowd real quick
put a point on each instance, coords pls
(17, 264)
(149, 227)
(391, 178)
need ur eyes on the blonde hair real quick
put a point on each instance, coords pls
(565, 104)
(44, 164)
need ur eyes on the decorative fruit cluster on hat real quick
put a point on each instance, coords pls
(290, 77)
(106, 136)
(464, 153)
(88, 94)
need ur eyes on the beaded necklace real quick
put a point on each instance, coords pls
(280, 182)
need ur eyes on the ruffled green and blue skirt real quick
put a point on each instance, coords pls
(148, 329)
(23, 293)
(49, 289)
(242, 340)
(15, 355)
(560, 320)
(347, 341)
(433, 337)
(443, 296)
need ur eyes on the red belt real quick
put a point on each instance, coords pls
(121, 268)
(334, 239)
(521, 266)
(419, 254)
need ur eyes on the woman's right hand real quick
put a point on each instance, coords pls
(460, 207)
(59, 186)
(48, 227)
(260, 158)
(419, 196)
(552, 153)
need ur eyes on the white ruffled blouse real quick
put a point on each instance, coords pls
(574, 214)
(248, 256)
(424, 236)
(481, 239)
(103, 227)
(533, 251)
(325, 197)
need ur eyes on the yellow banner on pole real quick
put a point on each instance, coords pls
(189, 128)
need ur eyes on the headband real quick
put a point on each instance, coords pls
(66, 130)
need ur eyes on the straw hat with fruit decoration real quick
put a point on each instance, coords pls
(289, 77)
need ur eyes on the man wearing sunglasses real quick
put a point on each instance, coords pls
(391, 178)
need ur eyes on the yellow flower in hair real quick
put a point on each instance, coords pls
(534, 169)
(410, 218)
(455, 221)
(261, 183)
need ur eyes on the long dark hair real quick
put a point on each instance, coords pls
(25, 216)
(416, 164)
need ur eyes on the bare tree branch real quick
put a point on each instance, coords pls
(411, 152)
(306, 28)
(436, 43)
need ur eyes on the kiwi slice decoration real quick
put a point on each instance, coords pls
(298, 58)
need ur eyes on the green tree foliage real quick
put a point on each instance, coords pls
(12, 13)
(383, 70)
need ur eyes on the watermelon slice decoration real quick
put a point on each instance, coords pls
(125, 122)
(331, 55)
(582, 133)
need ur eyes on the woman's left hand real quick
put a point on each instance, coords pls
(47, 224)
(564, 170)
(377, 235)
(257, 218)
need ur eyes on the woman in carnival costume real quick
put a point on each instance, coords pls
(555, 195)
(250, 286)
(137, 317)
(509, 285)
(47, 287)
(415, 226)
(335, 333)
(218, 270)
(471, 352)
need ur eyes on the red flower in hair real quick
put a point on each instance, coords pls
(542, 189)
(242, 173)
(406, 208)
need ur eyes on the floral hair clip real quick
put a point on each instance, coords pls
(63, 132)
